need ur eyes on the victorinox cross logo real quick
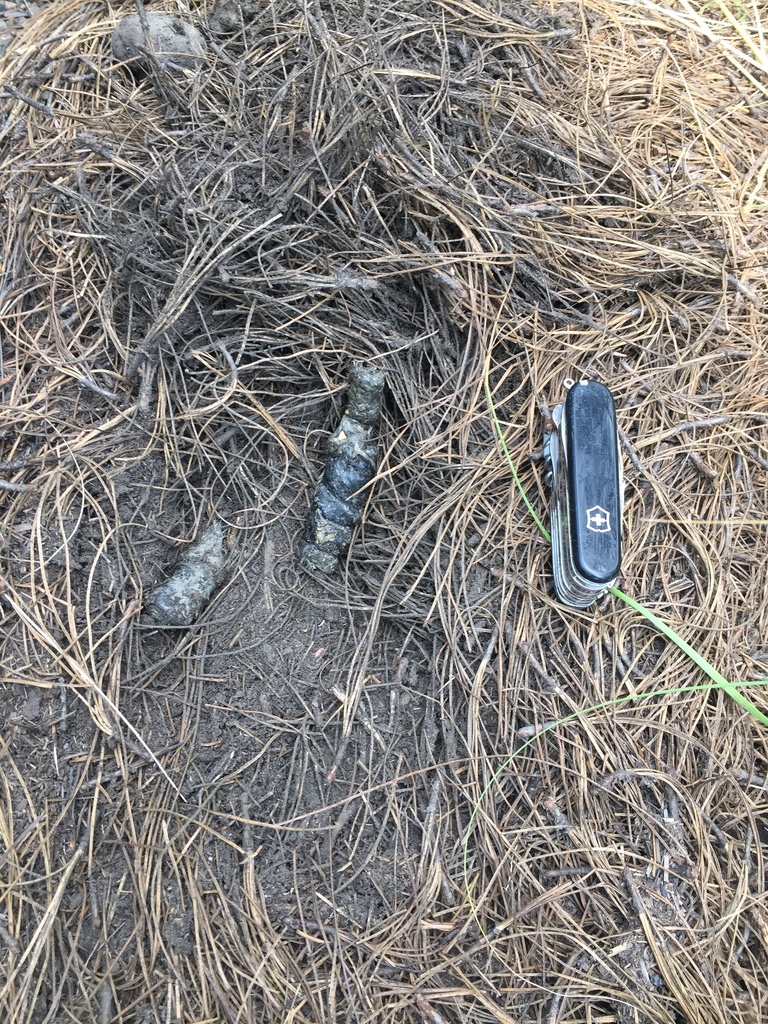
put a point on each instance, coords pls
(598, 520)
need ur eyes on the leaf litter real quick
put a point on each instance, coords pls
(262, 816)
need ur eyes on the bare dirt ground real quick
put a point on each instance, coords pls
(418, 790)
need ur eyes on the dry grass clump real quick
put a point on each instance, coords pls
(241, 822)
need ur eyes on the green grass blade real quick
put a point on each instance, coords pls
(717, 678)
(505, 449)
(580, 713)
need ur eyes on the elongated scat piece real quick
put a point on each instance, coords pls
(180, 599)
(366, 390)
(337, 502)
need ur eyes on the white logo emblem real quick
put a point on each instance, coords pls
(598, 520)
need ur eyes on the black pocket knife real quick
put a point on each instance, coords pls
(581, 449)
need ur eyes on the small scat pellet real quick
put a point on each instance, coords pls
(182, 597)
(337, 503)
(366, 390)
(169, 42)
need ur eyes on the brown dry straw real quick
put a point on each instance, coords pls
(261, 818)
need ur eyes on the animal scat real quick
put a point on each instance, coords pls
(230, 16)
(173, 44)
(182, 597)
(338, 500)
(366, 389)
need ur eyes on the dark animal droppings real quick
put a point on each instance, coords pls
(338, 500)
